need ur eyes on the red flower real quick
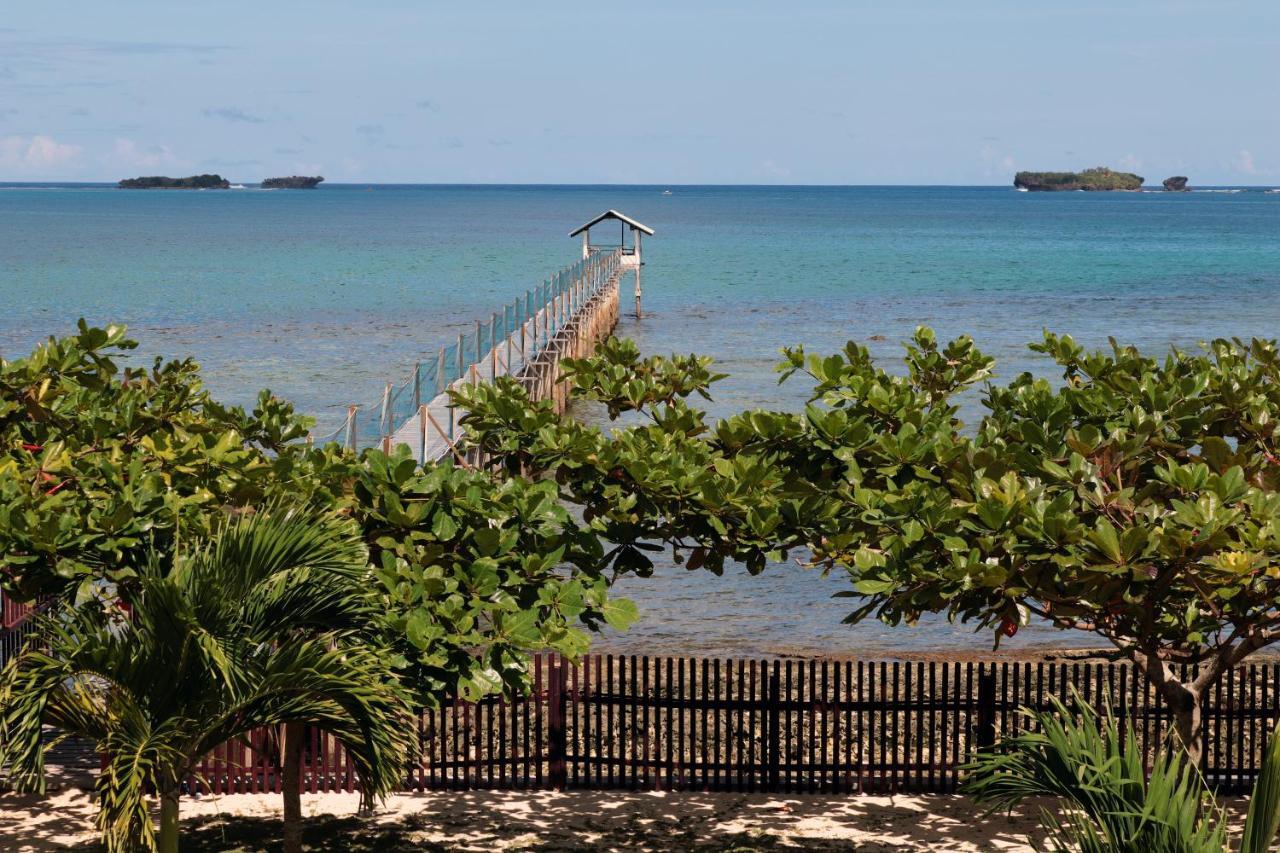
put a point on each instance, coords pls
(32, 448)
(1009, 627)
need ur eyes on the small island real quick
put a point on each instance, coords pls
(1176, 184)
(293, 182)
(195, 182)
(1100, 179)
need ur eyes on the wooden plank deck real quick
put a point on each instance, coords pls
(433, 432)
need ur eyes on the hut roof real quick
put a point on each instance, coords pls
(612, 214)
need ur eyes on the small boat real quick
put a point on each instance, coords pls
(666, 192)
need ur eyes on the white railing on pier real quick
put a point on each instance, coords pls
(417, 411)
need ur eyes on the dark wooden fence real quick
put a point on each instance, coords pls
(754, 725)
(15, 626)
(698, 724)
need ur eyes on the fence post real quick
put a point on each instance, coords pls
(557, 743)
(986, 733)
(351, 427)
(417, 385)
(773, 729)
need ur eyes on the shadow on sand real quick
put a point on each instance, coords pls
(608, 821)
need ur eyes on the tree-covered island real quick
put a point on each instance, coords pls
(1098, 179)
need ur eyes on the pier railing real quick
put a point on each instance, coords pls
(505, 343)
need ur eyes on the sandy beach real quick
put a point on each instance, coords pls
(545, 820)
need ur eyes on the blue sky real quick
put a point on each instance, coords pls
(895, 91)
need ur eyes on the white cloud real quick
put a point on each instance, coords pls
(774, 169)
(1130, 162)
(994, 162)
(234, 114)
(127, 153)
(1245, 163)
(32, 155)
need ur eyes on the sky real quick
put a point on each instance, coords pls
(851, 92)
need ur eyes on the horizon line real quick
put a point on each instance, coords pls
(353, 183)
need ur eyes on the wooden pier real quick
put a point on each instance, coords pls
(565, 317)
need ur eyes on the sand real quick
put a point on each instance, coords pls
(577, 820)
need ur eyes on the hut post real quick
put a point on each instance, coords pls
(639, 265)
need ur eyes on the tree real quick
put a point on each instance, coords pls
(1135, 500)
(237, 634)
(1113, 804)
(100, 467)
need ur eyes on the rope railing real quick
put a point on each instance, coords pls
(501, 345)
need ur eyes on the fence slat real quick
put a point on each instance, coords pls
(750, 725)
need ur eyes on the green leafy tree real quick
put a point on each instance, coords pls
(260, 626)
(475, 572)
(1135, 499)
(1108, 802)
(102, 465)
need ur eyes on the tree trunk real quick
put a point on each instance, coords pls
(168, 840)
(1184, 702)
(291, 786)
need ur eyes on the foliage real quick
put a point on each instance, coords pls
(1100, 776)
(269, 622)
(661, 482)
(194, 182)
(1135, 499)
(1097, 178)
(1113, 804)
(476, 572)
(101, 466)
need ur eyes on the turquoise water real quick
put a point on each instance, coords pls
(324, 295)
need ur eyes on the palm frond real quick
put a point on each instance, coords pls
(268, 623)
(253, 547)
(348, 691)
(1114, 804)
(1263, 819)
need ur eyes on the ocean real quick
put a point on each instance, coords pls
(324, 295)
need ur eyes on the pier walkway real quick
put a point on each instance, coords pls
(564, 317)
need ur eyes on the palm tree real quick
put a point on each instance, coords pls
(257, 627)
(1112, 803)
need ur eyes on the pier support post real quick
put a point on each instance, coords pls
(384, 418)
(422, 426)
(351, 427)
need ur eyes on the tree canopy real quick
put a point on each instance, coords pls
(1134, 499)
(102, 465)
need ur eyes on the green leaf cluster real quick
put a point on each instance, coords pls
(1135, 498)
(102, 466)
(1112, 801)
